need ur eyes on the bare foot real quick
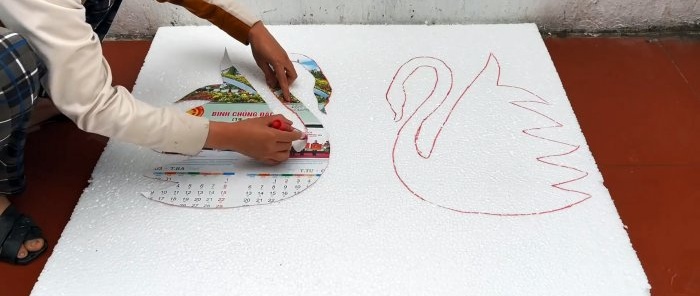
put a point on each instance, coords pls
(28, 246)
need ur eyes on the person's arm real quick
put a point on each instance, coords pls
(234, 19)
(228, 15)
(79, 80)
(80, 85)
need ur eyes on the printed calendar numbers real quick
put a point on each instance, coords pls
(234, 190)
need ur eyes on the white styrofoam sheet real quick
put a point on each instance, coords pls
(358, 230)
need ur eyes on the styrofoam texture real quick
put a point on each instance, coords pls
(358, 230)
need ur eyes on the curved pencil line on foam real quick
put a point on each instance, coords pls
(403, 83)
(557, 124)
(525, 131)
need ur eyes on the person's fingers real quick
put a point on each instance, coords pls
(281, 76)
(286, 127)
(288, 136)
(283, 147)
(281, 123)
(291, 73)
(269, 74)
(281, 156)
(283, 126)
(270, 161)
(282, 118)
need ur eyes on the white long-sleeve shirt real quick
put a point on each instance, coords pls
(79, 79)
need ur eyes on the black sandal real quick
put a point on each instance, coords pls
(15, 229)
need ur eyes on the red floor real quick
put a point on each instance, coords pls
(638, 103)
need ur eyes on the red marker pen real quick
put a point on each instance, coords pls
(280, 125)
(277, 124)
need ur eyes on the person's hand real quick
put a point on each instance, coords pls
(272, 59)
(255, 138)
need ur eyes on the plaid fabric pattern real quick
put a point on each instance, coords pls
(20, 75)
(20, 72)
(100, 14)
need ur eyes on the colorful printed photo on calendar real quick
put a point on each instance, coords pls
(317, 145)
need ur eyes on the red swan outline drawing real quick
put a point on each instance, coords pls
(426, 135)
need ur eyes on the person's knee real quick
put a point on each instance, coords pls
(9, 37)
(4, 31)
(10, 40)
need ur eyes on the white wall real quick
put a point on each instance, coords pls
(144, 16)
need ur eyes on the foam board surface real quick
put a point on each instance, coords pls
(458, 168)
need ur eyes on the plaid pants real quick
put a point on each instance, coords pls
(20, 71)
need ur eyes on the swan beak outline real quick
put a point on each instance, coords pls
(396, 103)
